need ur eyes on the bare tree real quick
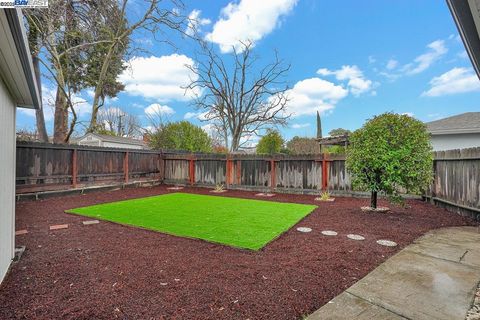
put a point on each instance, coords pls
(240, 99)
(153, 19)
(119, 122)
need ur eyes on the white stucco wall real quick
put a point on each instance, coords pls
(455, 141)
(7, 179)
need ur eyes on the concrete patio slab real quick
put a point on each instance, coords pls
(352, 308)
(434, 278)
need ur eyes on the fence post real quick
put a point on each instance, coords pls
(192, 170)
(125, 167)
(74, 168)
(159, 166)
(324, 172)
(228, 172)
(273, 182)
(239, 172)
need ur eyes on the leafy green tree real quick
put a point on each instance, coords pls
(391, 152)
(181, 135)
(270, 143)
(339, 132)
(334, 149)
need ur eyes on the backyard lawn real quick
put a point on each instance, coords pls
(243, 223)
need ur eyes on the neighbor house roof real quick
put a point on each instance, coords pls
(114, 139)
(16, 69)
(468, 122)
(466, 14)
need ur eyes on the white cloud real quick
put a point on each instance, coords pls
(209, 129)
(190, 115)
(197, 115)
(311, 95)
(300, 125)
(410, 114)
(372, 59)
(436, 50)
(81, 106)
(457, 80)
(248, 20)
(161, 78)
(158, 109)
(357, 83)
(392, 64)
(195, 22)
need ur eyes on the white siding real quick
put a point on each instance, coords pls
(120, 145)
(443, 142)
(7, 179)
(89, 140)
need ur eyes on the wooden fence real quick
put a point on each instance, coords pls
(457, 180)
(53, 167)
(42, 167)
(276, 173)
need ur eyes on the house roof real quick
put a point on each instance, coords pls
(115, 139)
(466, 14)
(16, 68)
(468, 122)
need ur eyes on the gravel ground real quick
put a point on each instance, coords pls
(110, 271)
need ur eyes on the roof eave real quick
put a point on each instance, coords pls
(14, 18)
(454, 131)
(462, 13)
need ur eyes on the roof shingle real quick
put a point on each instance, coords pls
(468, 122)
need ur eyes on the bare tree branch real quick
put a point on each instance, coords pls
(237, 99)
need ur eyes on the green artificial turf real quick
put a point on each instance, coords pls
(243, 223)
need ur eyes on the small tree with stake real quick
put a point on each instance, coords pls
(389, 154)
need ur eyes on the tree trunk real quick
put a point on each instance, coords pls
(373, 200)
(61, 118)
(99, 87)
(40, 122)
(40, 118)
(33, 34)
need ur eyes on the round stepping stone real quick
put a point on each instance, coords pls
(387, 243)
(329, 233)
(355, 237)
(304, 229)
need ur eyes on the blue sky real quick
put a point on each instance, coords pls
(349, 60)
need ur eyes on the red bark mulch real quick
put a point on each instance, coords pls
(108, 271)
